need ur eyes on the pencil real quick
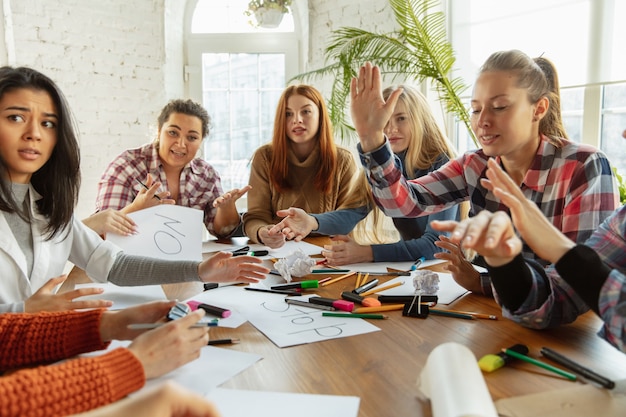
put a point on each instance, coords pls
(332, 281)
(357, 284)
(540, 364)
(147, 188)
(449, 313)
(388, 307)
(145, 326)
(381, 288)
(475, 315)
(356, 316)
(364, 280)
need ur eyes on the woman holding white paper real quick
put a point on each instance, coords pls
(133, 179)
(39, 182)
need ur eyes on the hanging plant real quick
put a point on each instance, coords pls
(268, 13)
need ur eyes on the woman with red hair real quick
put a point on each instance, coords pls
(302, 166)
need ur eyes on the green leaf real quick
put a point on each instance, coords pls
(418, 50)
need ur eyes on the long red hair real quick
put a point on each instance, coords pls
(279, 168)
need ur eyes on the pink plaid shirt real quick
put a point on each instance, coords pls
(199, 182)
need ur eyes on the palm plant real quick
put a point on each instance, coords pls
(419, 50)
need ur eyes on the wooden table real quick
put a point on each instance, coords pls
(382, 367)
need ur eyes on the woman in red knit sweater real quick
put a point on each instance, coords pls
(28, 340)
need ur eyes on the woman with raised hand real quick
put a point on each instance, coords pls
(39, 182)
(302, 167)
(421, 147)
(572, 184)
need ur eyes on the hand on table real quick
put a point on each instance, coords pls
(46, 300)
(345, 250)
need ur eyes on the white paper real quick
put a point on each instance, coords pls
(449, 290)
(166, 231)
(124, 297)
(215, 366)
(285, 324)
(454, 383)
(239, 403)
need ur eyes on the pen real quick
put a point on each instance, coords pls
(329, 271)
(254, 253)
(284, 292)
(356, 316)
(146, 326)
(417, 263)
(307, 304)
(223, 342)
(312, 283)
(540, 364)
(147, 188)
(451, 314)
(390, 274)
(382, 288)
(367, 286)
(575, 367)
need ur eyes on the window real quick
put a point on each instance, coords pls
(582, 37)
(238, 72)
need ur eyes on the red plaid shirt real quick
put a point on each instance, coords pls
(199, 182)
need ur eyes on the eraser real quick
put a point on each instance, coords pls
(371, 302)
(491, 362)
(309, 284)
(344, 305)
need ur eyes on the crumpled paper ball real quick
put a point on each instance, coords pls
(297, 264)
(425, 282)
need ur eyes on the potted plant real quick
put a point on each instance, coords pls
(268, 13)
(418, 49)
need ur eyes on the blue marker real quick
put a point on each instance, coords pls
(417, 263)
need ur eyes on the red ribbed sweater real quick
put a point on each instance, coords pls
(71, 387)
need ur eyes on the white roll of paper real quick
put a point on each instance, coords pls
(452, 380)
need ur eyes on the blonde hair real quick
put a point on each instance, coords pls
(428, 143)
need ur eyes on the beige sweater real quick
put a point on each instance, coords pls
(264, 200)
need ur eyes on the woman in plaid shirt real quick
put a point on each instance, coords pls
(572, 184)
(183, 178)
(594, 273)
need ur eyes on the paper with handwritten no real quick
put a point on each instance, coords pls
(165, 231)
(285, 324)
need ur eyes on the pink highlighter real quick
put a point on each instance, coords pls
(209, 309)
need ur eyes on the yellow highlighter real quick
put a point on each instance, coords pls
(495, 361)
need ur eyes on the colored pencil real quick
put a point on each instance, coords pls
(356, 316)
(388, 307)
(448, 313)
(332, 281)
(475, 315)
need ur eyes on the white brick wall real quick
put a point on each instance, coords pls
(119, 61)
